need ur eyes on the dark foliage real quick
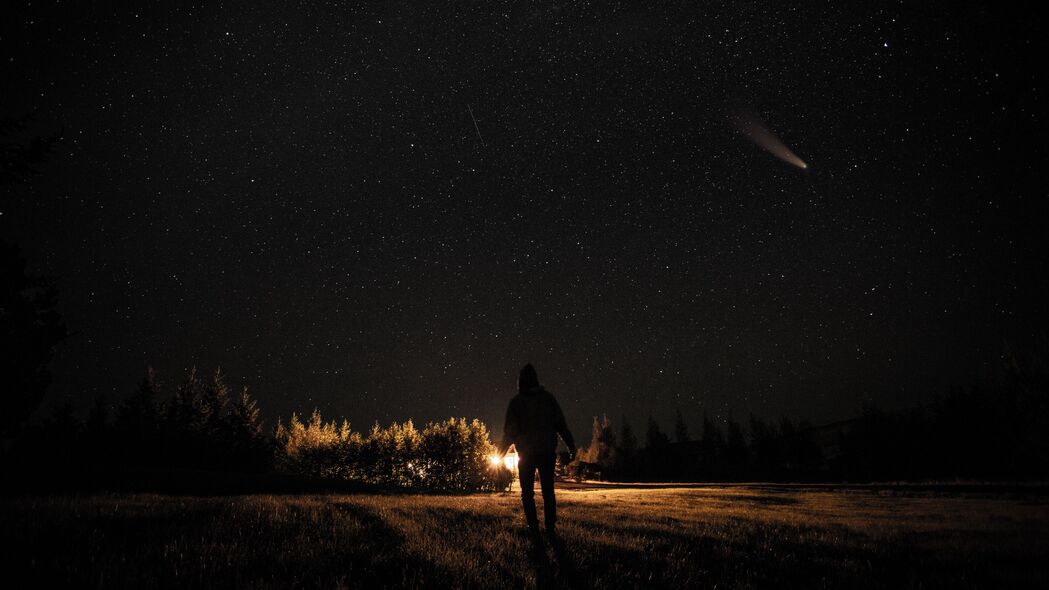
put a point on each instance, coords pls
(200, 428)
(22, 149)
(996, 432)
(205, 439)
(30, 329)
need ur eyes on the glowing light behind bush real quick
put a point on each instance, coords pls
(510, 460)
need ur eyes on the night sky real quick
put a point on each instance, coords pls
(384, 212)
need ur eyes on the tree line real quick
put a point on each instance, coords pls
(724, 451)
(206, 427)
(996, 432)
(205, 430)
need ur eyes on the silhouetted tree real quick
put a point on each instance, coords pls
(657, 451)
(48, 452)
(139, 416)
(251, 449)
(98, 417)
(1025, 401)
(626, 467)
(799, 454)
(217, 402)
(189, 410)
(765, 447)
(30, 329)
(680, 427)
(712, 444)
(655, 439)
(627, 438)
(245, 417)
(21, 150)
(30, 326)
(99, 441)
(735, 455)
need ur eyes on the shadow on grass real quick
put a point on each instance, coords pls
(322, 542)
(470, 531)
(557, 573)
(473, 533)
(208, 543)
(565, 563)
(410, 570)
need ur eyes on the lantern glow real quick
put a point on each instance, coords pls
(510, 460)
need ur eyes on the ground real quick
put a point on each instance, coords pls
(743, 536)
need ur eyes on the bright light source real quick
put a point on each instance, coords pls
(510, 460)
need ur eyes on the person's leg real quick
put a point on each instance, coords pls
(526, 470)
(546, 481)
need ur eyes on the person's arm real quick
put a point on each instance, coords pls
(511, 429)
(562, 428)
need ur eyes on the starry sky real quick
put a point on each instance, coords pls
(383, 210)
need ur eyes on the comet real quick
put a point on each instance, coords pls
(753, 128)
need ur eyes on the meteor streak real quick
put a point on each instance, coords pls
(476, 128)
(750, 126)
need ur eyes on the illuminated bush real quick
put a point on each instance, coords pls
(452, 455)
(455, 455)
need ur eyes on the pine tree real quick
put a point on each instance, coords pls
(627, 439)
(139, 416)
(188, 410)
(30, 329)
(98, 417)
(626, 464)
(245, 417)
(735, 449)
(217, 411)
(602, 448)
(607, 457)
(591, 453)
(655, 439)
(713, 439)
(680, 427)
(656, 461)
(713, 445)
(765, 449)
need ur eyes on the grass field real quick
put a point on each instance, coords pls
(611, 537)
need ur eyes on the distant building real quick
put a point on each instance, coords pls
(582, 470)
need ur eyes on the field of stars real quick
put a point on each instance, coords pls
(384, 211)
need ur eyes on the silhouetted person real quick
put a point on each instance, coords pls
(533, 421)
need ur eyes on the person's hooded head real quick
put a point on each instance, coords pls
(528, 379)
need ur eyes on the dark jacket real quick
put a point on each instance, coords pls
(533, 421)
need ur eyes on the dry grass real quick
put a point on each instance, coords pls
(724, 537)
